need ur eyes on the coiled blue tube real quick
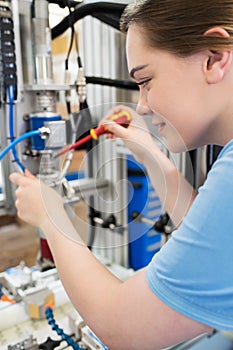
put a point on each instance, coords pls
(10, 91)
(16, 141)
(59, 331)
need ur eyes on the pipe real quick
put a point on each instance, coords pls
(108, 12)
(10, 91)
(16, 141)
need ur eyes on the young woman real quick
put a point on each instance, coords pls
(180, 54)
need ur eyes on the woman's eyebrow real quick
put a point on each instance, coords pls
(136, 69)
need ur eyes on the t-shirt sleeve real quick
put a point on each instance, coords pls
(193, 272)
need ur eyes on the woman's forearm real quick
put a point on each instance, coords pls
(90, 286)
(174, 191)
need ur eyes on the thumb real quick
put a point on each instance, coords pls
(16, 178)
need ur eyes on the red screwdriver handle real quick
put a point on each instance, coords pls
(122, 118)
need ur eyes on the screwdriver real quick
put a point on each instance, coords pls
(122, 118)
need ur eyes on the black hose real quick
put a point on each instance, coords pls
(111, 19)
(121, 84)
(63, 3)
(108, 12)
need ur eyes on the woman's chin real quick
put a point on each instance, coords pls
(176, 147)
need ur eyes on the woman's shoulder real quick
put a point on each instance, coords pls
(228, 148)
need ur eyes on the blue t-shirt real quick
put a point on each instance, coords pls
(193, 272)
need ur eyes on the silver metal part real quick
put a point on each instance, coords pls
(42, 43)
(26, 43)
(81, 85)
(83, 188)
(57, 136)
(88, 186)
(47, 163)
(45, 101)
(67, 189)
(28, 343)
(44, 132)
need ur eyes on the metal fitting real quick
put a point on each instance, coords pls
(44, 132)
(81, 85)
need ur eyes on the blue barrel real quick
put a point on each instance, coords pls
(36, 122)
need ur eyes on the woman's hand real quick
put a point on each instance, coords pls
(36, 203)
(137, 136)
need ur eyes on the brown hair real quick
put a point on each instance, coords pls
(178, 26)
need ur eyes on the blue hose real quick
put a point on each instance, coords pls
(12, 145)
(11, 126)
(59, 331)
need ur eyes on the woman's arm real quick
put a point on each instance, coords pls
(124, 315)
(174, 191)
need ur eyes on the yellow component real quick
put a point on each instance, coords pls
(113, 117)
(36, 304)
(34, 311)
(93, 134)
(120, 114)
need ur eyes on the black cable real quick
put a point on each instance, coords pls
(72, 39)
(62, 3)
(73, 36)
(121, 84)
(110, 19)
(68, 104)
(109, 13)
(70, 47)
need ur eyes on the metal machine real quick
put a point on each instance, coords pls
(32, 131)
(29, 99)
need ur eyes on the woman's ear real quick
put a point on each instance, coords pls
(217, 63)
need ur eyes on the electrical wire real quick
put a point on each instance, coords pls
(12, 145)
(10, 92)
(79, 61)
(71, 25)
(74, 37)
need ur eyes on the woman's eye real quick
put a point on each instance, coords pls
(144, 83)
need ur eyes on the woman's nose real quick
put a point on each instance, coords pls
(143, 107)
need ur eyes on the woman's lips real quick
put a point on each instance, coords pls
(160, 127)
